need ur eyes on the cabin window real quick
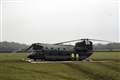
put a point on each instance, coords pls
(64, 49)
(46, 48)
(51, 48)
(58, 49)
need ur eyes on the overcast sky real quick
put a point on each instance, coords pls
(50, 21)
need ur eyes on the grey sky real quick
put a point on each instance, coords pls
(50, 21)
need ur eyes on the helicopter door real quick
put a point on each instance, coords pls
(73, 56)
(77, 57)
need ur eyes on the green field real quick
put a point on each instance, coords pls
(12, 67)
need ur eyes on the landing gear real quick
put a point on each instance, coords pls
(75, 57)
(34, 59)
(38, 59)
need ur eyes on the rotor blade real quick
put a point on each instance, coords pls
(84, 39)
(100, 40)
(68, 41)
(21, 50)
(28, 48)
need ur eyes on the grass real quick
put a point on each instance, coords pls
(13, 68)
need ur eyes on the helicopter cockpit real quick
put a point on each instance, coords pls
(37, 47)
(36, 50)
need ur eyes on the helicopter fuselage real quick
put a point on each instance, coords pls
(53, 52)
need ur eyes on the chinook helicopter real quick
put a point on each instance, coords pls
(82, 49)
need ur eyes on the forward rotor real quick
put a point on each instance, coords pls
(85, 39)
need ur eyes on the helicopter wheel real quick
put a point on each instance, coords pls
(35, 59)
(42, 59)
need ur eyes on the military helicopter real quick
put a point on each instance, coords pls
(82, 49)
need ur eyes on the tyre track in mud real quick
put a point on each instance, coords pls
(7, 78)
(89, 73)
(112, 67)
(42, 72)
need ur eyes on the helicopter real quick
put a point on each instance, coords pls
(82, 49)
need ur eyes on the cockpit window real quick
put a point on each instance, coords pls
(87, 42)
(37, 47)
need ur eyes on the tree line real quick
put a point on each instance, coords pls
(13, 46)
